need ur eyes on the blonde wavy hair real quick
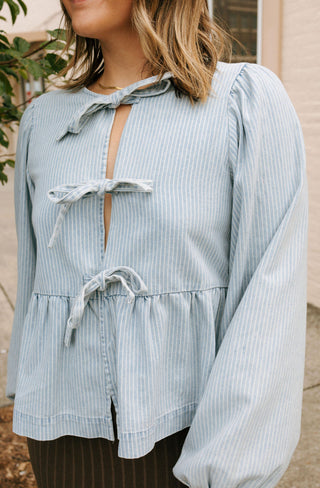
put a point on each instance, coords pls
(175, 35)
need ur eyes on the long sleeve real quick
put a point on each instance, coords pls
(26, 256)
(247, 423)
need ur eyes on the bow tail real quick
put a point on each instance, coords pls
(75, 316)
(63, 210)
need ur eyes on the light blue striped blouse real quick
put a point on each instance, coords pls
(195, 314)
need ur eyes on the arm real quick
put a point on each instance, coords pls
(26, 257)
(247, 423)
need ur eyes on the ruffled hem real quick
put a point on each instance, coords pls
(152, 356)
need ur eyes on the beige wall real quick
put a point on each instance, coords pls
(300, 73)
(41, 15)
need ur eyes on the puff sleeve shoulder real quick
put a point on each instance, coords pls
(26, 257)
(247, 422)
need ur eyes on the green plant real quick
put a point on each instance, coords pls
(19, 60)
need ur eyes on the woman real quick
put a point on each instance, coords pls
(159, 342)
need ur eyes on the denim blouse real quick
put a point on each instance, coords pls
(195, 313)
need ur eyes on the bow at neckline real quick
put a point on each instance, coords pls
(127, 96)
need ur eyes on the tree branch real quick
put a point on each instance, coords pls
(28, 54)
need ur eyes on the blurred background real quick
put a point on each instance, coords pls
(284, 36)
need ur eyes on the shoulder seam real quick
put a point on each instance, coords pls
(237, 77)
(32, 116)
(32, 109)
(228, 104)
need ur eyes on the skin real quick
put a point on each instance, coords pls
(109, 22)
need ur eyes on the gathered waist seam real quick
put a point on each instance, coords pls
(35, 292)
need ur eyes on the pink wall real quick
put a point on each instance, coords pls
(300, 73)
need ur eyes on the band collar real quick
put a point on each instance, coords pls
(128, 95)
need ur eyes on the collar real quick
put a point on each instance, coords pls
(128, 95)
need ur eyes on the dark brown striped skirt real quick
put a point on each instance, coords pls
(78, 462)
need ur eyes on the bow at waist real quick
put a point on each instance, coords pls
(66, 195)
(129, 278)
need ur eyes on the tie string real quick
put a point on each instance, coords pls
(66, 195)
(130, 280)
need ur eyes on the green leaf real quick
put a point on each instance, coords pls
(3, 18)
(5, 57)
(8, 102)
(4, 39)
(46, 66)
(3, 178)
(14, 10)
(32, 67)
(23, 73)
(23, 6)
(55, 46)
(21, 45)
(10, 72)
(56, 62)
(3, 46)
(14, 53)
(4, 139)
(10, 162)
(5, 85)
(58, 33)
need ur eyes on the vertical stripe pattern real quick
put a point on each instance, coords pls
(194, 315)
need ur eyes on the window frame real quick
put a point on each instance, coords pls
(234, 9)
(269, 33)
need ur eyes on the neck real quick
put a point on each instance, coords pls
(123, 60)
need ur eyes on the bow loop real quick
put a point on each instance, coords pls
(129, 278)
(73, 192)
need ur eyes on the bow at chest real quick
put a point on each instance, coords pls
(66, 195)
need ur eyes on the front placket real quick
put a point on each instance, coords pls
(65, 195)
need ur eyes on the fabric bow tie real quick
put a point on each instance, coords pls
(129, 278)
(66, 195)
(128, 95)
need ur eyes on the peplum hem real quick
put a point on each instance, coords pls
(152, 356)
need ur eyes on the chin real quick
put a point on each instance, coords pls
(85, 32)
(84, 28)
